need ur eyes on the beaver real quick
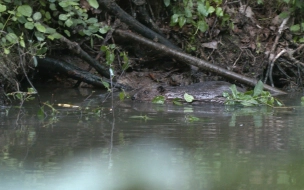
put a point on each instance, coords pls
(210, 91)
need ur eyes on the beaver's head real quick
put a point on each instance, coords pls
(148, 93)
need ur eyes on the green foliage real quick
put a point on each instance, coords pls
(123, 95)
(190, 118)
(23, 96)
(194, 12)
(144, 117)
(251, 98)
(159, 100)
(177, 101)
(45, 20)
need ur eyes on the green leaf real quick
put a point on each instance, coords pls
(188, 98)
(181, 21)
(258, 89)
(67, 33)
(6, 51)
(63, 17)
(12, 38)
(121, 96)
(37, 16)
(284, 14)
(295, 28)
(188, 12)
(93, 3)
(167, 3)
(68, 22)
(104, 29)
(219, 12)
(174, 19)
(50, 30)
(2, 8)
(22, 43)
(103, 48)
(106, 84)
(29, 25)
(53, 7)
(202, 26)
(191, 118)
(234, 91)
(202, 9)
(92, 20)
(40, 27)
(55, 36)
(211, 9)
(25, 10)
(158, 100)
(39, 36)
(176, 101)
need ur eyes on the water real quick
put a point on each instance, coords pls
(148, 146)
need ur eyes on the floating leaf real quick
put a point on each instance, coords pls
(158, 100)
(190, 118)
(176, 101)
(188, 98)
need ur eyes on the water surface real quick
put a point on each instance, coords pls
(134, 145)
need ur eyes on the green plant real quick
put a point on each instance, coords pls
(23, 96)
(251, 98)
(194, 12)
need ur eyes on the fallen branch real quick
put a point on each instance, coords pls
(190, 60)
(74, 72)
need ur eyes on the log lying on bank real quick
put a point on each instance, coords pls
(190, 60)
(74, 72)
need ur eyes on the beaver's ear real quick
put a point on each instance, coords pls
(161, 89)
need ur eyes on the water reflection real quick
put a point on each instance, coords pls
(228, 148)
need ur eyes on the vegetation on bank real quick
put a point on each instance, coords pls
(32, 29)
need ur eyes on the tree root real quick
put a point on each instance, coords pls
(190, 60)
(112, 7)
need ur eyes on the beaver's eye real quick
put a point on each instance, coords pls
(146, 92)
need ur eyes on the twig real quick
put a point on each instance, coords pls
(271, 54)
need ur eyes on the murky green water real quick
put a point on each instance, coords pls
(148, 146)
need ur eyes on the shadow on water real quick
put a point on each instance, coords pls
(147, 146)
